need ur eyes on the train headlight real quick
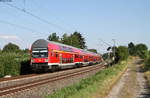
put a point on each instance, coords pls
(32, 60)
(46, 60)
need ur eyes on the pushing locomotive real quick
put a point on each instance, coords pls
(47, 55)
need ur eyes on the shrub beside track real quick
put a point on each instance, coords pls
(12, 63)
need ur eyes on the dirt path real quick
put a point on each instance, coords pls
(132, 84)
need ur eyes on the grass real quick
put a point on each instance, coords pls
(147, 75)
(146, 67)
(94, 86)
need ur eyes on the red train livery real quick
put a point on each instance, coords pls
(51, 55)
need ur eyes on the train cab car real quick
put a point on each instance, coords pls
(39, 55)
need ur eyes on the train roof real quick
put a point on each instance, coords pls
(42, 43)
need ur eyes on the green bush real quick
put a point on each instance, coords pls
(147, 64)
(147, 61)
(141, 50)
(10, 63)
(122, 53)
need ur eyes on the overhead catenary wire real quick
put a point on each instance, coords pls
(102, 48)
(58, 19)
(105, 42)
(37, 17)
(21, 27)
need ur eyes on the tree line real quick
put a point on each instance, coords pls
(123, 52)
(75, 39)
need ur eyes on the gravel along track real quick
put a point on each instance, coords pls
(13, 81)
(39, 86)
(16, 77)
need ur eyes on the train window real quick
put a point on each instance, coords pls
(85, 60)
(71, 60)
(56, 54)
(39, 53)
(63, 60)
(76, 56)
(68, 60)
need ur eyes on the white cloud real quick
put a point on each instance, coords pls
(9, 37)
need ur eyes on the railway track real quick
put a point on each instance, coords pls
(56, 77)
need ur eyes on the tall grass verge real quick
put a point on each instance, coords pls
(97, 85)
(147, 70)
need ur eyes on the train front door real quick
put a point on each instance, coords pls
(60, 58)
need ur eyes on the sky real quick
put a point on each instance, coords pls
(98, 21)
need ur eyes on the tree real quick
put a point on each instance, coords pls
(122, 53)
(53, 37)
(132, 49)
(93, 50)
(71, 40)
(75, 39)
(65, 39)
(141, 50)
(10, 47)
(25, 50)
(81, 40)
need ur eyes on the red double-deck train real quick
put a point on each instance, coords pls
(51, 55)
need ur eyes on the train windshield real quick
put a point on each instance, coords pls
(39, 52)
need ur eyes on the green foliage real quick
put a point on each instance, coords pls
(10, 47)
(122, 53)
(141, 50)
(53, 37)
(93, 50)
(138, 50)
(10, 63)
(132, 49)
(89, 86)
(81, 40)
(75, 39)
(25, 50)
(105, 56)
(147, 61)
(148, 54)
(65, 39)
(147, 64)
(117, 54)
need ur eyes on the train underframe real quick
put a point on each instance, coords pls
(44, 67)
